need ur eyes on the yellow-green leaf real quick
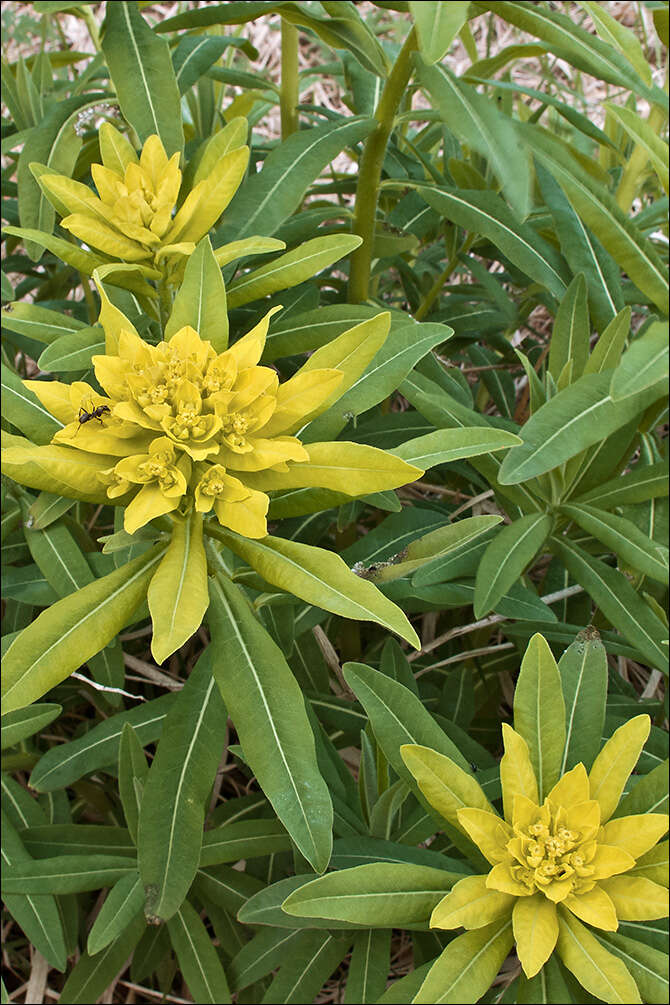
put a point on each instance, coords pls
(615, 762)
(535, 925)
(178, 594)
(597, 970)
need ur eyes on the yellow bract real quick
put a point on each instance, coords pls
(132, 216)
(197, 429)
(550, 858)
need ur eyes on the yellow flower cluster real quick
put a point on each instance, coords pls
(551, 859)
(131, 218)
(193, 427)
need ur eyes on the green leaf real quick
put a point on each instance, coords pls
(92, 975)
(141, 71)
(597, 970)
(572, 42)
(621, 38)
(468, 966)
(267, 950)
(292, 268)
(72, 630)
(133, 770)
(648, 966)
(619, 602)
(123, 904)
(599, 211)
(49, 840)
(607, 351)
(402, 350)
(22, 408)
(506, 557)
(24, 722)
(38, 915)
(267, 707)
(379, 895)
(574, 419)
(73, 351)
(571, 334)
(583, 253)
(476, 121)
(270, 197)
(397, 717)
(193, 56)
(177, 594)
(38, 323)
(648, 795)
(485, 213)
(432, 546)
(68, 762)
(437, 26)
(201, 299)
(644, 482)
(304, 972)
(623, 538)
(80, 259)
(643, 135)
(172, 811)
(539, 712)
(66, 874)
(446, 445)
(583, 670)
(294, 333)
(320, 577)
(55, 145)
(644, 367)
(243, 839)
(369, 967)
(197, 957)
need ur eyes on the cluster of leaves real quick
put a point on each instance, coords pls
(270, 343)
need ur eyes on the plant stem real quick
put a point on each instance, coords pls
(435, 290)
(370, 172)
(92, 26)
(164, 303)
(89, 298)
(289, 94)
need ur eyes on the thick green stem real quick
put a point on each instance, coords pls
(289, 95)
(370, 171)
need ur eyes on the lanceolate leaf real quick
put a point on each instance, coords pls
(447, 445)
(68, 762)
(576, 418)
(620, 236)
(123, 904)
(437, 25)
(644, 367)
(292, 268)
(72, 630)
(583, 670)
(570, 337)
(142, 73)
(622, 536)
(201, 299)
(177, 595)
(267, 707)
(173, 803)
(477, 121)
(198, 959)
(468, 965)
(539, 712)
(269, 197)
(321, 578)
(380, 895)
(506, 557)
(619, 602)
(485, 213)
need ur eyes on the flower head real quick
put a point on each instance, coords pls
(133, 215)
(554, 862)
(193, 428)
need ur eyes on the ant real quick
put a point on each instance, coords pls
(95, 413)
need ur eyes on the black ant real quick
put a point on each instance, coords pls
(95, 413)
